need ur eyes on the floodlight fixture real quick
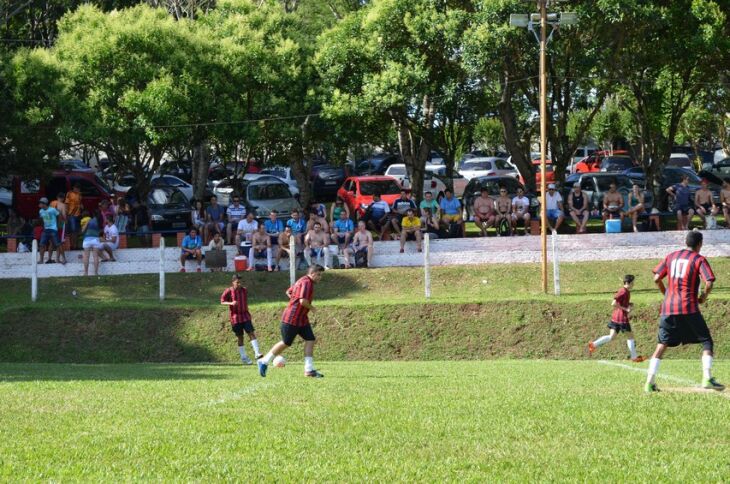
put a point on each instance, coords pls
(519, 20)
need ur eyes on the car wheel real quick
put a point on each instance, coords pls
(3, 214)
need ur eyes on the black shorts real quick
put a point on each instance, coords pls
(682, 329)
(239, 328)
(620, 327)
(684, 210)
(707, 207)
(289, 333)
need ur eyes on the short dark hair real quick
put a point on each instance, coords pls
(448, 190)
(315, 268)
(694, 239)
(274, 211)
(629, 278)
(213, 196)
(484, 189)
(235, 277)
(317, 223)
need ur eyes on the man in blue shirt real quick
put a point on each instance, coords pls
(342, 231)
(49, 215)
(681, 194)
(191, 248)
(298, 227)
(274, 227)
(376, 216)
(451, 211)
(214, 217)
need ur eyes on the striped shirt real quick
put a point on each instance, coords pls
(296, 314)
(239, 313)
(684, 268)
(236, 213)
(622, 297)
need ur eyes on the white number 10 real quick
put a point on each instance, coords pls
(678, 268)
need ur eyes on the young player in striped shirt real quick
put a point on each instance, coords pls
(681, 321)
(236, 298)
(295, 322)
(620, 320)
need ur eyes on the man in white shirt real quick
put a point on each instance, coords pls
(235, 213)
(111, 240)
(554, 206)
(246, 228)
(521, 210)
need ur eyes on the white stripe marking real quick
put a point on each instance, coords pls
(249, 390)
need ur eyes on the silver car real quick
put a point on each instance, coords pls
(260, 194)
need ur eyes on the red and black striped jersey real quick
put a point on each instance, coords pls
(683, 268)
(296, 314)
(622, 298)
(239, 313)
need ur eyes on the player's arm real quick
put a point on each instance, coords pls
(615, 304)
(706, 292)
(670, 191)
(305, 303)
(227, 300)
(659, 281)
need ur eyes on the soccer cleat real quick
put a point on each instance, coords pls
(591, 347)
(651, 388)
(638, 359)
(313, 374)
(712, 384)
(262, 368)
(246, 360)
(259, 356)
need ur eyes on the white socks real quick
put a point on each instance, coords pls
(632, 347)
(653, 369)
(706, 367)
(242, 352)
(255, 346)
(308, 363)
(267, 358)
(602, 341)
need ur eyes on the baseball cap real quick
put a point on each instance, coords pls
(43, 201)
(576, 185)
(551, 186)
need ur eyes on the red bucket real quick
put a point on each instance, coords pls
(240, 263)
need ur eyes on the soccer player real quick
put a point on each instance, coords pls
(295, 321)
(681, 321)
(620, 320)
(236, 298)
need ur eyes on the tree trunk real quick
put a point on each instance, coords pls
(512, 140)
(200, 166)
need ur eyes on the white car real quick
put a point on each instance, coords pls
(431, 183)
(681, 160)
(284, 174)
(488, 166)
(126, 182)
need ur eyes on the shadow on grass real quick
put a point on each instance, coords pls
(10, 372)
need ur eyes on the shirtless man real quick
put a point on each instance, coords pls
(613, 202)
(361, 242)
(484, 216)
(725, 201)
(704, 204)
(260, 245)
(60, 205)
(313, 219)
(283, 247)
(316, 244)
(504, 208)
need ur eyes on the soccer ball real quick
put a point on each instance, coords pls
(279, 362)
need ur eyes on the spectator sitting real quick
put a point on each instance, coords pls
(319, 209)
(315, 218)
(484, 212)
(613, 202)
(49, 215)
(335, 210)
(680, 192)
(298, 227)
(274, 227)
(343, 230)
(399, 210)
(111, 241)
(636, 205)
(260, 247)
(235, 213)
(283, 247)
(245, 230)
(316, 245)
(410, 229)
(503, 204)
(430, 203)
(521, 211)
(91, 244)
(554, 207)
(197, 216)
(578, 208)
(376, 216)
(216, 243)
(725, 200)
(192, 248)
(214, 218)
(362, 243)
(430, 223)
(704, 203)
(451, 212)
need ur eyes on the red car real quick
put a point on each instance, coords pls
(550, 178)
(603, 161)
(358, 191)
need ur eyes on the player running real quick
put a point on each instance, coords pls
(295, 321)
(620, 320)
(236, 298)
(681, 321)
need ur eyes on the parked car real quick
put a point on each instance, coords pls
(358, 191)
(616, 163)
(721, 168)
(326, 180)
(549, 173)
(27, 193)
(124, 183)
(377, 164)
(431, 183)
(74, 164)
(168, 206)
(284, 174)
(489, 166)
(680, 160)
(6, 202)
(594, 162)
(596, 184)
(457, 183)
(181, 169)
(493, 184)
(260, 194)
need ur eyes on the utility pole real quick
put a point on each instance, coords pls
(542, 8)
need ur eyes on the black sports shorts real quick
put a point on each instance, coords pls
(620, 327)
(289, 333)
(239, 328)
(683, 329)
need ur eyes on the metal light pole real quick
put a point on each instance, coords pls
(529, 21)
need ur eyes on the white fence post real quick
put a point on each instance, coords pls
(292, 260)
(556, 266)
(162, 268)
(427, 263)
(34, 273)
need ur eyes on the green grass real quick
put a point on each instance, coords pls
(408, 421)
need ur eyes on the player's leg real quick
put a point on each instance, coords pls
(631, 343)
(308, 335)
(238, 329)
(656, 358)
(269, 259)
(698, 326)
(288, 333)
(593, 345)
(248, 327)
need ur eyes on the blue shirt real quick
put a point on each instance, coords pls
(401, 206)
(297, 226)
(274, 227)
(216, 213)
(343, 226)
(451, 207)
(379, 209)
(50, 218)
(192, 243)
(681, 195)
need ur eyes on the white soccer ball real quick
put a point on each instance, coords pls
(279, 362)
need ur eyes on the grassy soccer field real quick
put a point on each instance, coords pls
(398, 421)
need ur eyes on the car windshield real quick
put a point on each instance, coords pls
(493, 186)
(616, 163)
(397, 170)
(279, 172)
(681, 162)
(268, 191)
(166, 196)
(604, 182)
(674, 176)
(383, 187)
(477, 165)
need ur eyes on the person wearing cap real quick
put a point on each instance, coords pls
(578, 208)
(680, 192)
(725, 200)
(554, 207)
(704, 203)
(49, 215)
